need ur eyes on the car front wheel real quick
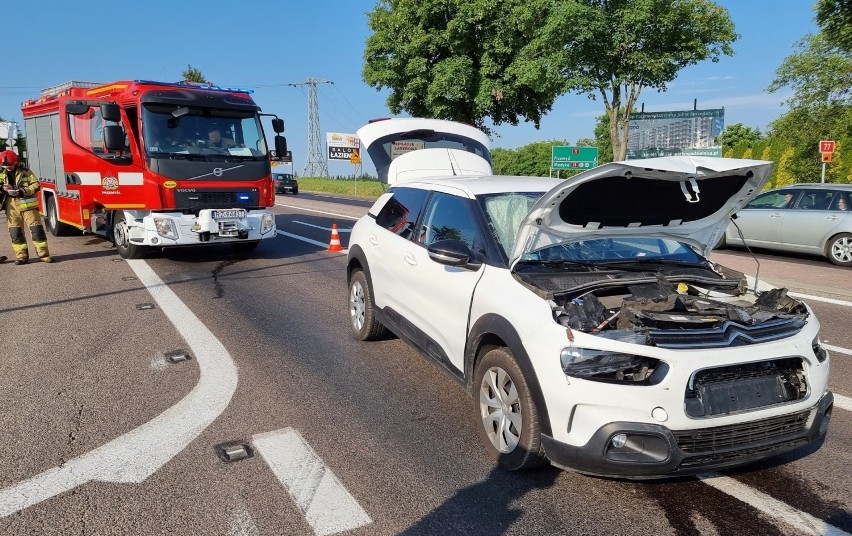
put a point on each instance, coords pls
(839, 249)
(365, 326)
(510, 426)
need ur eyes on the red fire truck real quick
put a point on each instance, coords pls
(134, 161)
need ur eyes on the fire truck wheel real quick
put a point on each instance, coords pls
(51, 219)
(121, 238)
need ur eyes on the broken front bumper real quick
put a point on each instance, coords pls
(640, 450)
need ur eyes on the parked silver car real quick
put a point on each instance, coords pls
(801, 218)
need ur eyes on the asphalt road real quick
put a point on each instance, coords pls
(103, 434)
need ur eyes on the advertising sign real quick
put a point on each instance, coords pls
(690, 132)
(341, 146)
(400, 147)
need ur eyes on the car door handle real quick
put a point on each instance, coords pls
(409, 258)
(373, 240)
(832, 217)
(775, 215)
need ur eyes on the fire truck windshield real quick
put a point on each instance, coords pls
(169, 131)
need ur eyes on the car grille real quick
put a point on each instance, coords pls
(720, 443)
(202, 199)
(728, 334)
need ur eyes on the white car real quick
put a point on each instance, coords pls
(583, 315)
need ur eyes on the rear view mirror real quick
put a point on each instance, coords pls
(111, 112)
(114, 138)
(280, 146)
(278, 125)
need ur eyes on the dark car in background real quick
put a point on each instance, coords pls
(285, 183)
(800, 218)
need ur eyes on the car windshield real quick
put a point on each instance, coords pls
(612, 250)
(202, 131)
(505, 212)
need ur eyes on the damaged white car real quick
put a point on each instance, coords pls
(583, 315)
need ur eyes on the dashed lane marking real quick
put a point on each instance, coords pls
(842, 402)
(341, 230)
(353, 218)
(136, 455)
(837, 349)
(308, 240)
(821, 299)
(783, 512)
(323, 500)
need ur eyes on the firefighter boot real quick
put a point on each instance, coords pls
(40, 243)
(19, 245)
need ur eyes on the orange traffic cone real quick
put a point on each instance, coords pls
(334, 245)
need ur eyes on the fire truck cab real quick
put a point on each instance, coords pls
(152, 164)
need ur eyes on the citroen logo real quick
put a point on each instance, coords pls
(218, 172)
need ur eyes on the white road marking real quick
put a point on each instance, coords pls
(339, 229)
(837, 349)
(308, 240)
(820, 298)
(783, 512)
(353, 218)
(136, 455)
(323, 500)
(842, 402)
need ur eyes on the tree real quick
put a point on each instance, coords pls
(613, 49)
(191, 74)
(531, 160)
(462, 60)
(835, 19)
(818, 73)
(738, 133)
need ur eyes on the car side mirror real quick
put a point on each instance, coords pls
(452, 253)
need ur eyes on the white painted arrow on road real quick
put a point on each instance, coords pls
(136, 455)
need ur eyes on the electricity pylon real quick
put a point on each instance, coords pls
(316, 165)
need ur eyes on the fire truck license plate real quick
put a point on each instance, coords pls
(228, 214)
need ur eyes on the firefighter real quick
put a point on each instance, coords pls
(19, 186)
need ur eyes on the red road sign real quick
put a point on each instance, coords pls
(826, 146)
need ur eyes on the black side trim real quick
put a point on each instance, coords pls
(492, 324)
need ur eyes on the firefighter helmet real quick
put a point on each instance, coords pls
(8, 158)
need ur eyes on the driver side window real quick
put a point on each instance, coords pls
(448, 217)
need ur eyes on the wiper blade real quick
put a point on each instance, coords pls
(662, 262)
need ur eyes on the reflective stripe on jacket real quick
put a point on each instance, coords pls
(25, 181)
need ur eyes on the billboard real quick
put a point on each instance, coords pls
(688, 132)
(342, 146)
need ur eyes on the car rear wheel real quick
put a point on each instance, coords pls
(365, 326)
(510, 426)
(839, 249)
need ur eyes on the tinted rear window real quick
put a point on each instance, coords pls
(400, 213)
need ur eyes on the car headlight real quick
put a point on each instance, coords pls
(166, 228)
(605, 366)
(267, 223)
(819, 351)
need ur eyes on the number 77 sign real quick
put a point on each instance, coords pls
(826, 146)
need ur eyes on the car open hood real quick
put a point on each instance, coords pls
(686, 198)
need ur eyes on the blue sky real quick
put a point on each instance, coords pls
(268, 44)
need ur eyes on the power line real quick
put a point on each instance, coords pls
(316, 165)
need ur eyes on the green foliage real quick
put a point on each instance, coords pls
(603, 139)
(737, 133)
(531, 160)
(818, 73)
(191, 74)
(835, 19)
(463, 60)
(613, 49)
